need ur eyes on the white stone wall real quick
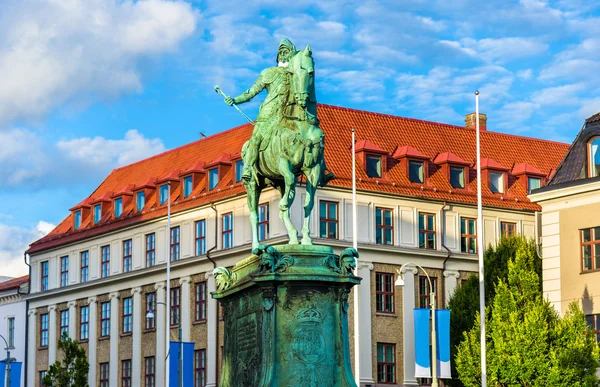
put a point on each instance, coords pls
(17, 310)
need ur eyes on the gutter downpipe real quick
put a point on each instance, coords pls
(212, 205)
(26, 317)
(448, 252)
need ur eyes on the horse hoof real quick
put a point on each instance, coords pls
(293, 242)
(307, 241)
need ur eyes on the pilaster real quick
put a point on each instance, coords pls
(211, 327)
(92, 340)
(185, 308)
(159, 315)
(72, 320)
(136, 357)
(113, 375)
(408, 324)
(364, 323)
(31, 345)
(52, 341)
(450, 281)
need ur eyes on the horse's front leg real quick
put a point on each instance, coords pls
(313, 176)
(253, 192)
(287, 198)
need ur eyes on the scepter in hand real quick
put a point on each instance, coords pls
(229, 99)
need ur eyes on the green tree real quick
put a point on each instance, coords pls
(528, 343)
(74, 368)
(464, 303)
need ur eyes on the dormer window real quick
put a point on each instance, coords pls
(213, 178)
(187, 186)
(239, 167)
(140, 201)
(594, 157)
(416, 171)
(457, 177)
(76, 219)
(97, 213)
(497, 182)
(373, 166)
(533, 183)
(118, 207)
(164, 193)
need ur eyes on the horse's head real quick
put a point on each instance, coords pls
(302, 67)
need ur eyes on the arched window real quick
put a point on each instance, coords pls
(594, 157)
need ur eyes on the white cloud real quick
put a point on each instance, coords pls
(13, 243)
(559, 95)
(504, 50)
(30, 162)
(52, 52)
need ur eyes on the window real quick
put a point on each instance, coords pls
(64, 322)
(127, 261)
(200, 301)
(64, 271)
(187, 186)
(105, 265)
(384, 292)
(140, 201)
(213, 178)
(374, 166)
(77, 219)
(118, 207)
(457, 177)
(594, 157)
(44, 272)
(239, 168)
(84, 323)
(150, 250)
(149, 371)
(44, 330)
(328, 220)
(97, 213)
(386, 363)
(85, 263)
(175, 236)
(127, 315)
(468, 235)
(105, 319)
(164, 193)
(126, 373)
(426, 231)
(104, 371)
(590, 249)
(42, 376)
(384, 226)
(11, 332)
(497, 182)
(424, 297)
(415, 171)
(533, 183)
(228, 231)
(263, 221)
(200, 368)
(200, 237)
(175, 303)
(150, 307)
(507, 229)
(593, 321)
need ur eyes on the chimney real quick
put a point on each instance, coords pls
(470, 122)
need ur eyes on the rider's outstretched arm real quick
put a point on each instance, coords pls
(247, 95)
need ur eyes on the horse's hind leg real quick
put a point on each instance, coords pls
(287, 197)
(313, 176)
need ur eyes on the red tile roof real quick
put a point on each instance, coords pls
(385, 132)
(522, 168)
(13, 283)
(368, 146)
(449, 157)
(408, 151)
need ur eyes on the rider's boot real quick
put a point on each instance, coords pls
(248, 172)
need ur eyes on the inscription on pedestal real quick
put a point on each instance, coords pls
(247, 331)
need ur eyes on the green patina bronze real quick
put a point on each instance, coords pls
(287, 141)
(286, 307)
(286, 317)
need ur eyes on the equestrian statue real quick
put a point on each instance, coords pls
(286, 141)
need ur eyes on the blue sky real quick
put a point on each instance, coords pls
(90, 85)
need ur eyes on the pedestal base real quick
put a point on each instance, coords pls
(286, 321)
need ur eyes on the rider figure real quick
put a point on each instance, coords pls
(277, 82)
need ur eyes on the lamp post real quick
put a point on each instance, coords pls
(150, 316)
(8, 360)
(400, 282)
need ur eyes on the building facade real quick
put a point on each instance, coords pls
(99, 273)
(571, 227)
(13, 319)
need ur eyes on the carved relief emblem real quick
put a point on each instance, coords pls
(309, 343)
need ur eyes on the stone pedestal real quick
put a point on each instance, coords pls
(286, 321)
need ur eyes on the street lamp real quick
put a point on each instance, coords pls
(8, 360)
(150, 316)
(400, 282)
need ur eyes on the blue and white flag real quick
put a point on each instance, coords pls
(442, 322)
(2, 373)
(422, 351)
(188, 364)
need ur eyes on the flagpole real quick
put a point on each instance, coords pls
(480, 249)
(168, 303)
(355, 245)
